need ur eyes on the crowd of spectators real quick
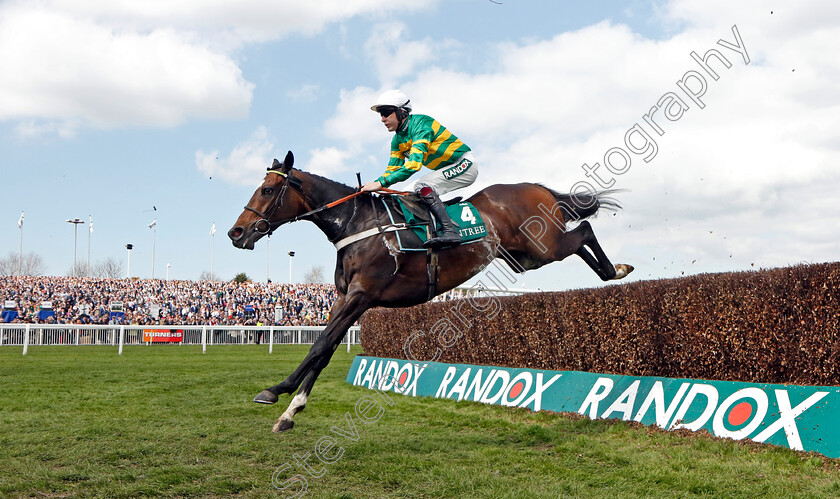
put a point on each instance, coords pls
(80, 300)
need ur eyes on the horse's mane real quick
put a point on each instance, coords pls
(330, 182)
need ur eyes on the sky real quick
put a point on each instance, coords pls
(718, 121)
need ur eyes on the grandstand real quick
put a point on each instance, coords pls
(82, 300)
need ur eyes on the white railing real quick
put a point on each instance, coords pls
(480, 291)
(26, 335)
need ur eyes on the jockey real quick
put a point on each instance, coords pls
(420, 140)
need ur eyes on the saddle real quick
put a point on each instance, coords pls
(421, 224)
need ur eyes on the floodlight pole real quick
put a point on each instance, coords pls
(153, 226)
(128, 266)
(90, 231)
(75, 223)
(291, 255)
(20, 252)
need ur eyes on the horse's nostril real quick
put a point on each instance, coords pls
(235, 233)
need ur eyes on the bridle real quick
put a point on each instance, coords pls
(264, 225)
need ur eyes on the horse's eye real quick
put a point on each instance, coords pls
(267, 191)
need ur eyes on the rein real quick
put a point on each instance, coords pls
(265, 226)
(348, 198)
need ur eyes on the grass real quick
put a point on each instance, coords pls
(169, 421)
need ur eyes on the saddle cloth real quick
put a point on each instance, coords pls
(412, 211)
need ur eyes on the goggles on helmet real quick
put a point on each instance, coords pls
(386, 111)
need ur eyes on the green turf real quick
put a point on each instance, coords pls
(169, 421)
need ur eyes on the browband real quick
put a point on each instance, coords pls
(294, 182)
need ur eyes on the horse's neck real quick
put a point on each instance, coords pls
(332, 221)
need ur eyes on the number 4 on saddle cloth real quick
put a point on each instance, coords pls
(414, 213)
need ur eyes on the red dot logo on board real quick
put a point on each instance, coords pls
(515, 390)
(403, 377)
(739, 414)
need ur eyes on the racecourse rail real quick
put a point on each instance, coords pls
(118, 335)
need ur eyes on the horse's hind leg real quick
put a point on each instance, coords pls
(597, 259)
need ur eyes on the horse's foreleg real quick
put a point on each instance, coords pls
(318, 350)
(343, 314)
(286, 420)
(293, 381)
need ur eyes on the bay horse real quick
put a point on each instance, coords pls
(371, 272)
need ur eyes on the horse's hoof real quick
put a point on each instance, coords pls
(265, 397)
(622, 269)
(283, 425)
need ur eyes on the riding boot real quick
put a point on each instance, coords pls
(448, 234)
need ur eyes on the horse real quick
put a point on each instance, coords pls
(370, 270)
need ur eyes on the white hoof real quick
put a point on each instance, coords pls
(621, 270)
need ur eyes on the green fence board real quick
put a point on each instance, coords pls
(798, 417)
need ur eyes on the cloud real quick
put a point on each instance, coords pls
(329, 161)
(766, 130)
(58, 69)
(395, 56)
(30, 129)
(353, 121)
(307, 93)
(260, 21)
(245, 165)
(78, 64)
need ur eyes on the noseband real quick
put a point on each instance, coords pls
(264, 225)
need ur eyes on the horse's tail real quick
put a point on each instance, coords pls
(581, 206)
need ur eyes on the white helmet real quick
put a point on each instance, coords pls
(393, 98)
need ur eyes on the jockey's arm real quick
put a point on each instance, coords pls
(402, 165)
(372, 186)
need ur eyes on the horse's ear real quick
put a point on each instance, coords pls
(288, 162)
(276, 165)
